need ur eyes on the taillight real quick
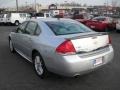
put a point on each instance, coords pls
(110, 40)
(66, 48)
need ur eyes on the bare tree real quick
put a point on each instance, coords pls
(114, 3)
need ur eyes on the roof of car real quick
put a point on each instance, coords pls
(52, 19)
(102, 17)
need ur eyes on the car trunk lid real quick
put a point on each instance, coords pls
(89, 42)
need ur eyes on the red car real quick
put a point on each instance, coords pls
(80, 18)
(101, 23)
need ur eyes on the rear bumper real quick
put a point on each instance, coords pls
(75, 65)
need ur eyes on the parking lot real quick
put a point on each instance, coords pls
(18, 74)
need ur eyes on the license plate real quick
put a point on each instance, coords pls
(98, 61)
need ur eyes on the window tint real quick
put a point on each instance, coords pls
(47, 15)
(21, 28)
(31, 27)
(39, 14)
(66, 28)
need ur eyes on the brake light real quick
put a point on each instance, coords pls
(66, 48)
(110, 40)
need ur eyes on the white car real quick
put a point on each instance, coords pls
(42, 15)
(118, 26)
(3, 18)
(17, 18)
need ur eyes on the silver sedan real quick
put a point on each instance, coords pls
(62, 46)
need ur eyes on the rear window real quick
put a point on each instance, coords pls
(110, 19)
(66, 28)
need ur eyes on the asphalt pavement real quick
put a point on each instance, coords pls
(18, 74)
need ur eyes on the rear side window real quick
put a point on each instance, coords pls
(23, 15)
(66, 28)
(31, 27)
(8, 15)
(39, 15)
(101, 19)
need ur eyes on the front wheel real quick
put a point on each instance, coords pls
(39, 66)
(11, 46)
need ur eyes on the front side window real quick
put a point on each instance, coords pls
(31, 27)
(66, 28)
(1, 16)
(21, 28)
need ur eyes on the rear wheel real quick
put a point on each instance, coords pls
(39, 66)
(17, 23)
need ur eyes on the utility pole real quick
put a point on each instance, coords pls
(35, 6)
(26, 4)
(17, 5)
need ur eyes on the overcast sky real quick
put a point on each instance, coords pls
(11, 3)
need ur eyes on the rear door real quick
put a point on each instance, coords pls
(1, 18)
(28, 38)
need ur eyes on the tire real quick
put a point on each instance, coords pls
(106, 29)
(39, 66)
(17, 23)
(11, 46)
(118, 31)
